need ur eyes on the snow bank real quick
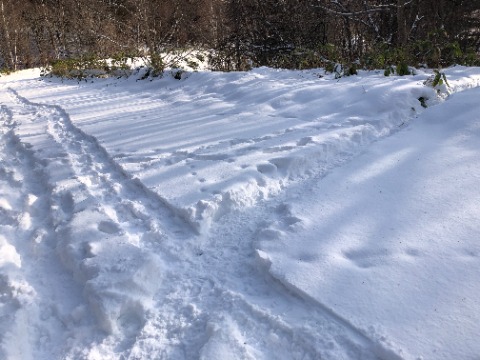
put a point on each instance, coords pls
(389, 242)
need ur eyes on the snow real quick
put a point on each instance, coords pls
(268, 214)
(397, 231)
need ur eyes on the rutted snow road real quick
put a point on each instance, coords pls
(152, 285)
(104, 258)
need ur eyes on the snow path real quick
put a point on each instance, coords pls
(216, 142)
(130, 227)
(99, 214)
(37, 297)
(89, 187)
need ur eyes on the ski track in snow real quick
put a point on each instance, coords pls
(195, 310)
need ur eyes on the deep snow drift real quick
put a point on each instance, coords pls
(240, 216)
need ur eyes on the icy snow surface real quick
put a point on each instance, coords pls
(260, 215)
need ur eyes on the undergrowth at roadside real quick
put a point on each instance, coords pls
(123, 65)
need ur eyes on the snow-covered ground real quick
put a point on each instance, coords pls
(260, 215)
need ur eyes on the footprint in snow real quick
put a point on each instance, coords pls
(305, 141)
(367, 257)
(108, 227)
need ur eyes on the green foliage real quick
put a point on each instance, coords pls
(119, 63)
(352, 70)
(389, 71)
(423, 101)
(438, 50)
(330, 67)
(341, 70)
(297, 59)
(326, 56)
(156, 65)
(402, 69)
(382, 56)
(439, 79)
(392, 60)
(74, 68)
(300, 58)
(228, 61)
(471, 58)
(435, 53)
(426, 52)
(5, 71)
(88, 67)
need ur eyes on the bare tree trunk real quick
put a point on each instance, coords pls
(7, 38)
(401, 24)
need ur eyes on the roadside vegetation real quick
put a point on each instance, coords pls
(84, 38)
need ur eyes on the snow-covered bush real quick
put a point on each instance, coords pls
(86, 67)
(439, 82)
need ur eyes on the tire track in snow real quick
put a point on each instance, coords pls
(108, 222)
(214, 299)
(100, 174)
(39, 300)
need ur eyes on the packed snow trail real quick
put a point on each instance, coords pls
(203, 298)
(100, 215)
(42, 309)
(214, 142)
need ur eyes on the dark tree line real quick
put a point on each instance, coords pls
(240, 33)
(299, 32)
